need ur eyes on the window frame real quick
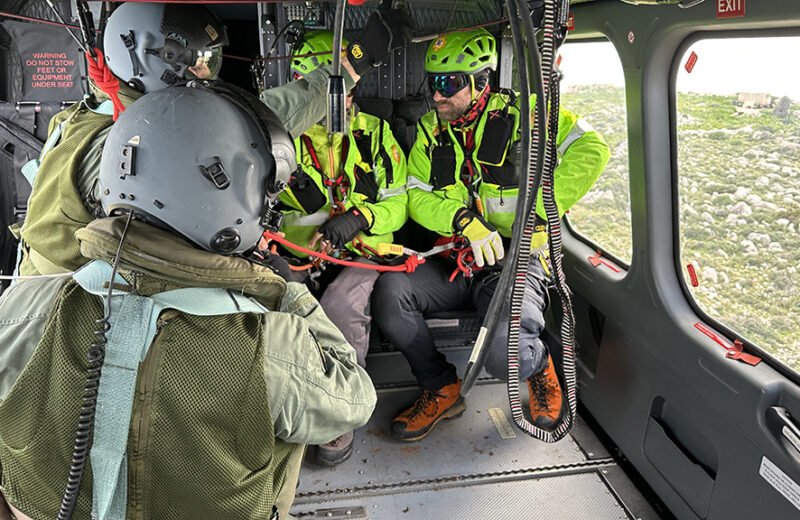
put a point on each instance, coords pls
(581, 237)
(585, 239)
(724, 330)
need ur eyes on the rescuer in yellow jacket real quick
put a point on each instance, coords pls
(348, 195)
(463, 182)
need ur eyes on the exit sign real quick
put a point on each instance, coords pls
(730, 8)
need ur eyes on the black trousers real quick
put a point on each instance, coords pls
(400, 300)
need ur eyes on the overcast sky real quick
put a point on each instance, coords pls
(724, 66)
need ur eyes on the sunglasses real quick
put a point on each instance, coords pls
(448, 85)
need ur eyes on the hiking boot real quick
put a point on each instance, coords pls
(336, 451)
(431, 407)
(546, 398)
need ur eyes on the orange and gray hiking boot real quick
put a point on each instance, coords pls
(431, 407)
(546, 398)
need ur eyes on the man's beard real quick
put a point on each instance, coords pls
(448, 111)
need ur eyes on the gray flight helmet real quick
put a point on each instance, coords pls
(198, 161)
(151, 46)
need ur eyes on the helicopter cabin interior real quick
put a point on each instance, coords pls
(683, 262)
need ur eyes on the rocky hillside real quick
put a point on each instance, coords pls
(739, 190)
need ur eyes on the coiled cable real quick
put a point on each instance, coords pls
(96, 357)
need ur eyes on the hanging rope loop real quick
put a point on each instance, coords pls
(105, 80)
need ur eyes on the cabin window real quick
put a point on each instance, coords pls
(738, 148)
(594, 87)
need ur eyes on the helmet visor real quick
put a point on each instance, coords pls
(207, 64)
(448, 85)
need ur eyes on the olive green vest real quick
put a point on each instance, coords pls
(56, 208)
(201, 442)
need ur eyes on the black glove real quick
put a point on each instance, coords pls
(386, 29)
(344, 227)
(280, 266)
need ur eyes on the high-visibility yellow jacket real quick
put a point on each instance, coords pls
(437, 191)
(367, 170)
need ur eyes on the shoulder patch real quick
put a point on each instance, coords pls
(395, 154)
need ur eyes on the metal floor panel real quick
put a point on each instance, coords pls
(575, 497)
(464, 446)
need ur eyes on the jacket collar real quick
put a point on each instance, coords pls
(154, 260)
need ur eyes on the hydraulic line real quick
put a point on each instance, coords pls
(552, 21)
(540, 172)
(83, 46)
(530, 174)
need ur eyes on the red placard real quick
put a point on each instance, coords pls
(691, 62)
(693, 275)
(571, 22)
(730, 8)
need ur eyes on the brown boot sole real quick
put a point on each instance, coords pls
(548, 424)
(451, 413)
(331, 459)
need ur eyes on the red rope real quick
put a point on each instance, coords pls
(410, 265)
(105, 80)
(36, 20)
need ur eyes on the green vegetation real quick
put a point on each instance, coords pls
(739, 192)
(604, 214)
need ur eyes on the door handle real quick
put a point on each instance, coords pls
(781, 424)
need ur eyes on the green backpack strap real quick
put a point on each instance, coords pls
(133, 326)
(31, 168)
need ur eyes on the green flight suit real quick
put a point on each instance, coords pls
(221, 401)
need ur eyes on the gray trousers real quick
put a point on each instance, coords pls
(346, 302)
(532, 351)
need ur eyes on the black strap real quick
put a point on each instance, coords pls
(427, 134)
(27, 116)
(364, 145)
(387, 161)
(130, 43)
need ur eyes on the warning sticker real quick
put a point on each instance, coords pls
(691, 62)
(502, 424)
(50, 70)
(780, 481)
(730, 8)
(50, 63)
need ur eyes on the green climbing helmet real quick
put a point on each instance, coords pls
(313, 42)
(462, 51)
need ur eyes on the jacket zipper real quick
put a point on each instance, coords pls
(141, 420)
